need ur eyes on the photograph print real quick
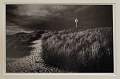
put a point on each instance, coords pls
(56, 38)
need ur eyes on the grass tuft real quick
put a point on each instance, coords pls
(85, 51)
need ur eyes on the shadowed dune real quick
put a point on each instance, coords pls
(18, 45)
(24, 54)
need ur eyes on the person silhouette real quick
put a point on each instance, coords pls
(76, 22)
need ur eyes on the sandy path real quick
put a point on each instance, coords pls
(31, 63)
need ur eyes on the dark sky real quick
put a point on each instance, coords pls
(29, 17)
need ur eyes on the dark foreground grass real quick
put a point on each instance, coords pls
(86, 51)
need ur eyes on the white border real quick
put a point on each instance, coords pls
(115, 34)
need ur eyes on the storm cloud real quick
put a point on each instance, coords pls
(38, 16)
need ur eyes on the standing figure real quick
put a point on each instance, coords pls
(76, 21)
